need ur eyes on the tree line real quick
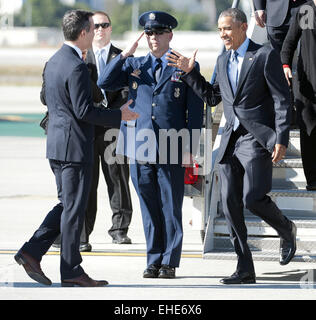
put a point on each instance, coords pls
(49, 13)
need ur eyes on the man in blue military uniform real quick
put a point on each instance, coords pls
(168, 109)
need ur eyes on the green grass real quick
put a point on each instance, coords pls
(21, 125)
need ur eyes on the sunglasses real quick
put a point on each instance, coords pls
(104, 25)
(156, 32)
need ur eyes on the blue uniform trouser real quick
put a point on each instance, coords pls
(160, 189)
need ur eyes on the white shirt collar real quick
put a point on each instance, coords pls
(242, 48)
(78, 50)
(105, 49)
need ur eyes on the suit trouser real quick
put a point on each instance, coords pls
(117, 180)
(308, 152)
(246, 178)
(160, 189)
(66, 218)
(276, 35)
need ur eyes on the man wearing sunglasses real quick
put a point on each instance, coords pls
(165, 104)
(116, 174)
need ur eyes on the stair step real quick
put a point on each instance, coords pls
(288, 174)
(294, 144)
(305, 245)
(298, 193)
(294, 133)
(258, 256)
(300, 222)
(289, 162)
(295, 199)
(256, 227)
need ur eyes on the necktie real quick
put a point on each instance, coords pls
(157, 71)
(233, 77)
(101, 65)
(100, 60)
(233, 74)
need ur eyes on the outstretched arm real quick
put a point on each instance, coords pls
(209, 93)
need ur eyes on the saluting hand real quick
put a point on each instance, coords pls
(128, 114)
(129, 51)
(177, 60)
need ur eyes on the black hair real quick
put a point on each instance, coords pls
(235, 13)
(74, 21)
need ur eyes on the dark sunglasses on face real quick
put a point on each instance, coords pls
(156, 32)
(104, 25)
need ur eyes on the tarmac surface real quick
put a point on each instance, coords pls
(28, 192)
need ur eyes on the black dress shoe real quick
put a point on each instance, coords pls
(167, 272)
(152, 271)
(85, 247)
(240, 278)
(288, 247)
(121, 238)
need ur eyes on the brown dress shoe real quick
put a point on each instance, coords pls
(32, 267)
(83, 281)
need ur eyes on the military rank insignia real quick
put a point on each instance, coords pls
(177, 92)
(134, 85)
(136, 73)
(176, 76)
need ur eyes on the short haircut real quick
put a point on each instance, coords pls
(235, 13)
(104, 14)
(74, 21)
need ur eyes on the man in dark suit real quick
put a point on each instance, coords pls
(169, 108)
(256, 106)
(70, 134)
(116, 174)
(276, 15)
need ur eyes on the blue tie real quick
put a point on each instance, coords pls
(233, 74)
(233, 77)
(102, 65)
(100, 59)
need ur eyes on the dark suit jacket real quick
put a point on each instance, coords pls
(262, 100)
(276, 10)
(72, 115)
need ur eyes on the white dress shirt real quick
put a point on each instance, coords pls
(104, 52)
(78, 50)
